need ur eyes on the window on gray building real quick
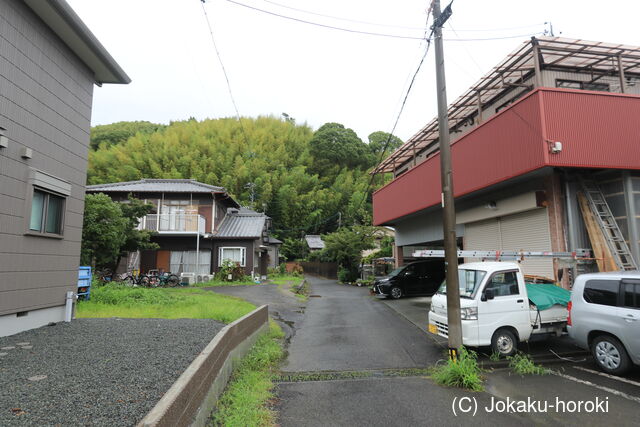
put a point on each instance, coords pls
(47, 212)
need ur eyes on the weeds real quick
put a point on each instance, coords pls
(495, 356)
(523, 365)
(465, 373)
(245, 400)
(127, 302)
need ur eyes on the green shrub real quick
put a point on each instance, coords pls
(230, 271)
(522, 364)
(465, 373)
(346, 275)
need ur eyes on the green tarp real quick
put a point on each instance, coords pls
(544, 295)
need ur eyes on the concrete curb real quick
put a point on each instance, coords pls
(193, 396)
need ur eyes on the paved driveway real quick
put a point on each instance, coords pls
(346, 329)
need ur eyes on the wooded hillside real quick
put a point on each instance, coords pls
(305, 181)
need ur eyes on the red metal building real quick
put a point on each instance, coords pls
(553, 115)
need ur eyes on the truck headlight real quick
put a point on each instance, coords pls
(469, 313)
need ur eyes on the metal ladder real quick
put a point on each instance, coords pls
(610, 230)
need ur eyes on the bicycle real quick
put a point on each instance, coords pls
(164, 280)
(136, 279)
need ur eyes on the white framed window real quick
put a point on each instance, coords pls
(235, 254)
(185, 262)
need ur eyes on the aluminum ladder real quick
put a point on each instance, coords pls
(610, 230)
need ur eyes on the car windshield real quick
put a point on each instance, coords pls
(396, 272)
(469, 280)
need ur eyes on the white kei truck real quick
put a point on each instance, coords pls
(499, 309)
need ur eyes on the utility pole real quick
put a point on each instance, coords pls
(446, 176)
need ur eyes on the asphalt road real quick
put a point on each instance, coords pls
(346, 329)
(284, 308)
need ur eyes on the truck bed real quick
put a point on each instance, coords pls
(554, 314)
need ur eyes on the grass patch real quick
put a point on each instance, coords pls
(522, 364)
(217, 282)
(465, 373)
(301, 290)
(115, 300)
(246, 398)
(284, 279)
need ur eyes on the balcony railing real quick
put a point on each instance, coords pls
(173, 223)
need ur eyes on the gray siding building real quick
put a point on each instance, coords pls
(49, 62)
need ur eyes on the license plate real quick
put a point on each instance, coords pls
(433, 329)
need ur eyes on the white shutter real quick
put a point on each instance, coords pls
(482, 235)
(523, 231)
(529, 231)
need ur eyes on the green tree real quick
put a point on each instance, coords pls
(378, 141)
(117, 133)
(110, 228)
(102, 231)
(293, 249)
(345, 247)
(334, 146)
(134, 239)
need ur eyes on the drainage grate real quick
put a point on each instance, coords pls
(315, 296)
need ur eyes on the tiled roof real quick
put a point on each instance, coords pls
(314, 242)
(157, 186)
(242, 225)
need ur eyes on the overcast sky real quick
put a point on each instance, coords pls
(315, 74)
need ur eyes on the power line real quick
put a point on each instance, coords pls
(224, 71)
(309, 12)
(342, 19)
(317, 24)
(368, 33)
(404, 101)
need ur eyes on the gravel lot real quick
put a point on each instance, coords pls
(95, 371)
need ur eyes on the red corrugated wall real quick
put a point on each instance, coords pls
(507, 145)
(597, 130)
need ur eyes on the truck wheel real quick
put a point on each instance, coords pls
(610, 354)
(504, 342)
(395, 292)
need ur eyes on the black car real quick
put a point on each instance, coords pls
(416, 278)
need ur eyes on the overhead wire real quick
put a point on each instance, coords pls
(404, 101)
(368, 33)
(224, 71)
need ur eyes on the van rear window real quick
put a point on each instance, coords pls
(603, 292)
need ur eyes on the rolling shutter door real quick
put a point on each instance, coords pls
(524, 231)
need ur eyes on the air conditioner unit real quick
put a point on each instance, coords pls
(188, 278)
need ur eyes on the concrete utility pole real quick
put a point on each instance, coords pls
(446, 176)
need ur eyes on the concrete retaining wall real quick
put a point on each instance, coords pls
(193, 396)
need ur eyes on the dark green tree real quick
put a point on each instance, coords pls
(333, 146)
(345, 247)
(293, 249)
(378, 140)
(109, 229)
(102, 232)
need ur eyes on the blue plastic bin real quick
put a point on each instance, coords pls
(84, 283)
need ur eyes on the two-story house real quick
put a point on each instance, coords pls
(49, 63)
(557, 121)
(197, 227)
